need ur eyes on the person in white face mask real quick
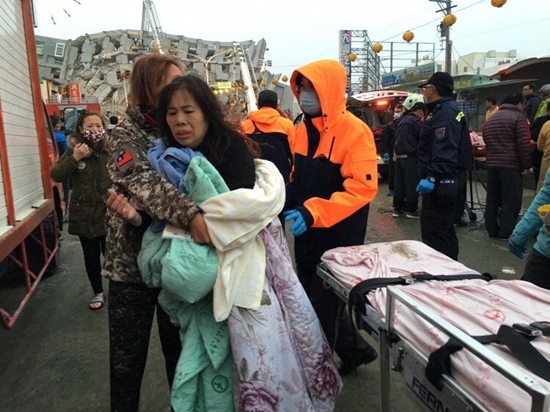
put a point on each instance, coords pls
(334, 179)
(85, 163)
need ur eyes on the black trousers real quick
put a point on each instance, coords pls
(462, 195)
(349, 344)
(391, 172)
(437, 217)
(131, 312)
(504, 196)
(93, 249)
(537, 270)
(405, 197)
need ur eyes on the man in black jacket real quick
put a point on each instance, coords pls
(407, 134)
(531, 101)
(442, 151)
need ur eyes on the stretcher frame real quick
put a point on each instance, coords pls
(411, 363)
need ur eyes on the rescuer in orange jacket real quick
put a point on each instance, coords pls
(335, 178)
(274, 133)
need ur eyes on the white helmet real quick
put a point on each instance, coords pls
(412, 99)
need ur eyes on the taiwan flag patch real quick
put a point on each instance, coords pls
(123, 158)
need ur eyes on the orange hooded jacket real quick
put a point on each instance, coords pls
(269, 120)
(345, 156)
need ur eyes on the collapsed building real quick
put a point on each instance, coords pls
(100, 64)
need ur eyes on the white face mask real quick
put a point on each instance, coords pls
(309, 102)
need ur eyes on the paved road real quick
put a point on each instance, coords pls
(55, 359)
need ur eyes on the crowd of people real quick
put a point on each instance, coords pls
(191, 221)
(432, 151)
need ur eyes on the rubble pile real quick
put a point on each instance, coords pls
(102, 62)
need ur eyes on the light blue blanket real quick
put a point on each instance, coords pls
(186, 272)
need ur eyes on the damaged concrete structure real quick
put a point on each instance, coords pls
(101, 63)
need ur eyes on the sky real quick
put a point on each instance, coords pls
(309, 29)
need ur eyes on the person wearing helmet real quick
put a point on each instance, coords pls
(407, 134)
(444, 150)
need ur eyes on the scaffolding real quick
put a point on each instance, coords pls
(403, 63)
(364, 72)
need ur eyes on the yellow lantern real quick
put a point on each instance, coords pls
(449, 20)
(215, 91)
(232, 90)
(246, 86)
(274, 81)
(263, 83)
(352, 57)
(498, 3)
(377, 47)
(408, 36)
(284, 78)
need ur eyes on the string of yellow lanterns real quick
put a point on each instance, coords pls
(408, 36)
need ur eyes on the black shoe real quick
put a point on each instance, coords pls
(461, 223)
(369, 355)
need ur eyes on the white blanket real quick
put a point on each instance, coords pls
(234, 220)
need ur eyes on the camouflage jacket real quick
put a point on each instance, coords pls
(133, 176)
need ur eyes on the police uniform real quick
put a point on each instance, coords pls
(441, 156)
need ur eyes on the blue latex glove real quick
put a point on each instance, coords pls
(386, 156)
(299, 225)
(425, 186)
(516, 249)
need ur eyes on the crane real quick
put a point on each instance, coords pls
(151, 22)
(245, 76)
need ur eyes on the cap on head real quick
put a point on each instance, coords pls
(441, 80)
(412, 99)
(267, 98)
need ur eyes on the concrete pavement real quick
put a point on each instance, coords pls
(55, 359)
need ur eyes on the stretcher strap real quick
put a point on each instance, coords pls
(439, 361)
(358, 295)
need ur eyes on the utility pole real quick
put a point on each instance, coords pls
(445, 7)
(448, 42)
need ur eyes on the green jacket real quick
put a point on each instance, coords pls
(89, 181)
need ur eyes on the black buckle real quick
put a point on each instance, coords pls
(543, 326)
(527, 330)
(407, 279)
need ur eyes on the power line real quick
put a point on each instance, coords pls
(436, 19)
(503, 28)
(463, 59)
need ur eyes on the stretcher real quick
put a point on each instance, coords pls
(415, 317)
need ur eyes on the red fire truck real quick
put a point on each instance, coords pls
(69, 108)
(29, 201)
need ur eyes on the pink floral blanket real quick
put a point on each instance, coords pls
(282, 361)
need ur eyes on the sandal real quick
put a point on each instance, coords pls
(97, 299)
